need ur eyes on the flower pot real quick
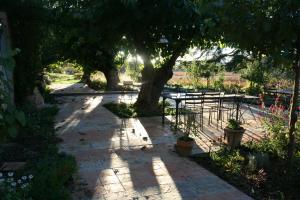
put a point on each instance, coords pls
(233, 137)
(183, 147)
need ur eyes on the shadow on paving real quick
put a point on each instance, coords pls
(130, 158)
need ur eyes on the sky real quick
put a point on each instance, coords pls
(191, 55)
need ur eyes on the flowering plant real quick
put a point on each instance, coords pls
(13, 187)
(275, 123)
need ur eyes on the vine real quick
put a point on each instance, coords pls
(11, 119)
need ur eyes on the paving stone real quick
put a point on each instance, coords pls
(112, 165)
(111, 188)
(12, 166)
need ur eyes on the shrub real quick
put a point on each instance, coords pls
(11, 119)
(52, 174)
(122, 110)
(40, 124)
(233, 124)
(229, 159)
(97, 85)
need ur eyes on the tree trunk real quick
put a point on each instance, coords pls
(293, 112)
(153, 81)
(112, 78)
(207, 82)
(86, 77)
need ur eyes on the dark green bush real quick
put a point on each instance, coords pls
(36, 145)
(52, 174)
(230, 160)
(124, 110)
(40, 124)
(97, 85)
(233, 124)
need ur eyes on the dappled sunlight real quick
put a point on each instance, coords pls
(163, 177)
(74, 119)
(125, 158)
(71, 88)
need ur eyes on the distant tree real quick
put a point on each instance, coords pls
(203, 69)
(258, 73)
(84, 34)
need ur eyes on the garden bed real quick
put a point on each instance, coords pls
(47, 174)
(124, 110)
(264, 177)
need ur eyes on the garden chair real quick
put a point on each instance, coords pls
(195, 107)
(212, 105)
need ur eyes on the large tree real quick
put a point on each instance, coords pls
(160, 31)
(83, 33)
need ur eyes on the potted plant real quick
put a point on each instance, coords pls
(233, 133)
(185, 143)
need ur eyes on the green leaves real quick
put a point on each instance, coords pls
(12, 131)
(12, 121)
(20, 117)
(10, 118)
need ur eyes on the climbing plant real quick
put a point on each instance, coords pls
(11, 119)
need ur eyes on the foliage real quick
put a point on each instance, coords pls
(186, 138)
(53, 172)
(124, 110)
(65, 67)
(98, 85)
(255, 72)
(231, 160)
(65, 72)
(269, 28)
(233, 124)
(258, 74)
(39, 124)
(219, 83)
(35, 144)
(266, 180)
(15, 187)
(91, 40)
(11, 119)
(202, 69)
(133, 69)
(276, 140)
(97, 81)
(259, 167)
(59, 78)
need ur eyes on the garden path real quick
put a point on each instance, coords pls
(130, 158)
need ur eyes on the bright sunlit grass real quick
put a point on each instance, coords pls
(59, 78)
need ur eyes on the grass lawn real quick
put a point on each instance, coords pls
(60, 78)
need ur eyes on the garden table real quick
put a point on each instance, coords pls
(178, 97)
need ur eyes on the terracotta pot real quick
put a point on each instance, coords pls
(233, 137)
(184, 148)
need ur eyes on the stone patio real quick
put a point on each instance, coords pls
(130, 158)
